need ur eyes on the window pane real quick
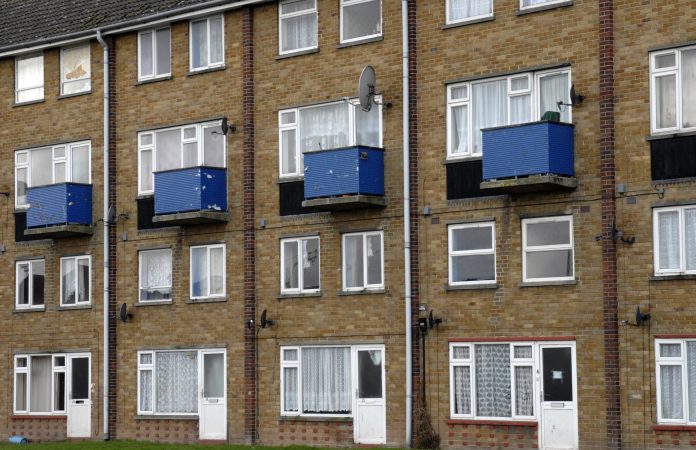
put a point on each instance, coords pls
(76, 70)
(463, 9)
(40, 391)
(290, 355)
(199, 272)
(168, 149)
(524, 391)
(21, 392)
(310, 264)
(213, 375)
(146, 358)
(493, 380)
(298, 32)
(289, 151)
(213, 147)
(523, 352)
(669, 251)
(190, 154)
(666, 101)
(362, 19)
(367, 126)
(68, 278)
(520, 109)
(146, 139)
(324, 127)
(59, 361)
(38, 276)
(146, 57)
(41, 167)
(146, 390)
(353, 269)
(23, 284)
(80, 164)
(30, 79)
(473, 268)
(217, 271)
(548, 233)
(370, 374)
(474, 238)
(296, 6)
(290, 389)
(199, 44)
(550, 264)
(554, 89)
(459, 129)
(326, 380)
(691, 381)
(163, 53)
(59, 391)
(290, 264)
(177, 382)
(688, 69)
(459, 92)
(146, 170)
(670, 350)
(156, 275)
(374, 259)
(83, 280)
(59, 173)
(489, 108)
(216, 40)
(22, 186)
(462, 390)
(519, 83)
(287, 118)
(671, 392)
(663, 61)
(461, 353)
(690, 237)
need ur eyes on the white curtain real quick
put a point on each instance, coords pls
(30, 79)
(691, 381)
(520, 109)
(671, 392)
(690, 237)
(669, 240)
(217, 271)
(462, 9)
(216, 40)
(354, 261)
(324, 127)
(310, 263)
(80, 164)
(289, 151)
(367, 126)
(177, 382)
(462, 390)
(493, 396)
(146, 390)
(534, 2)
(374, 259)
(490, 102)
(362, 19)
(168, 149)
(163, 57)
(40, 389)
(554, 89)
(290, 388)
(290, 272)
(298, 31)
(666, 101)
(524, 391)
(41, 162)
(23, 284)
(68, 281)
(199, 43)
(199, 272)
(459, 129)
(156, 274)
(146, 57)
(326, 384)
(213, 147)
(688, 69)
(83, 280)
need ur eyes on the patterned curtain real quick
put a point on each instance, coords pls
(690, 238)
(669, 239)
(177, 382)
(524, 391)
(691, 381)
(326, 380)
(671, 392)
(290, 388)
(493, 396)
(462, 390)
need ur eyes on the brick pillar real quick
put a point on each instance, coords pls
(250, 347)
(609, 263)
(113, 295)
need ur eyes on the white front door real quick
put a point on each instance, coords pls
(79, 396)
(213, 415)
(559, 418)
(370, 421)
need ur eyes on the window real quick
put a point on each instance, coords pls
(64, 163)
(360, 19)
(322, 127)
(316, 380)
(154, 54)
(493, 380)
(530, 4)
(676, 380)
(30, 279)
(673, 89)
(207, 43)
(177, 148)
(75, 277)
(297, 21)
(547, 249)
(363, 261)
(155, 275)
(208, 271)
(465, 10)
(471, 253)
(514, 99)
(29, 78)
(299, 265)
(75, 71)
(674, 237)
(39, 384)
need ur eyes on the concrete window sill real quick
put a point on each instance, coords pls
(470, 287)
(361, 41)
(464, 23)
(313, 419)
(29, 310)
(540, 8)
(165, 417)
(363, 292)
(300, 295)
(154, 303)
(548, 283)
(206, 300)
(76, 307)
(208, 70)
(673, 277)
(76, 94)
(297, 53)
(153, 80)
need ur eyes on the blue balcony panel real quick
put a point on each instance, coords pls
(529, 157)
(59, 210)
(191, 196)
(344, 178)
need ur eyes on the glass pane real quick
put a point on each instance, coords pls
(296, 6)
(324, 127)
(290, 389)
(523, 352)
(326, 380)
(519, 83)
(40, 392)
(362, 19)
(156, 275)
(83, 280)
(463, 9)
(520, 109)
(671, 392)
(290, 264)
(168, 150)
(21, 392)
(691, 378)
(489, 108)
(146, 177)
(493, 396)
(524, 391)
(199, 44)
(459, 129)
(370, 374)
(554, 88)
(670, 350)
(21, 186)
(80, 164)
(353, 260)
(290, 355)
(664, 61)
(146, 390)
(37, 277)
(68, 281)
(176, 382)
(298, 32)
(213, 147)
(289, 151)
(76, 70)
(374, 259)
(287, 118)
(22, 157)
(23, 284)
(190, 133)
(213, 375)
(190, 154)
(41, 167)
(666, 101)
(473, 238)
(59, 152)
(462, 390)
(688, 72)
(30, 73)
(29, 95)
(217, 271)
(199, 272)
(216, 40)
(551, 264)
(163, 52)
(461, 353)
(367, 127)
(59, 391)
(310, 264)
(669, 247)
(146, 57)
(557, 374)
(548, 233)
(21, 362)
(459, 92)
(146, 139)
(59, 173)
(146, 358)
(690, 237)
(59, 361)
(473, 268)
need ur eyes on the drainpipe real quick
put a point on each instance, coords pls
(105, 382)
(407, 223)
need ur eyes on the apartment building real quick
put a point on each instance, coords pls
(517, 182)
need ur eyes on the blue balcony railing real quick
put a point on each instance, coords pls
(59, 204)
(193, 189)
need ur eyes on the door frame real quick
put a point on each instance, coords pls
(68, 385)
(354, 357)
(540, 385)
(201, 389)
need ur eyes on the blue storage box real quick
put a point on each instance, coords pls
(59, 204)
(191, 189)
(355, 170)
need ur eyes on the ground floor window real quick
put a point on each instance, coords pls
(39, 382)
(676, 380)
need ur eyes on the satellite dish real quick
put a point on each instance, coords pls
(367, 88)
(433, 321)
(575, 98)
(111, 215)
(641, 317)
(226, 127)
(123, 313)
(265, 322)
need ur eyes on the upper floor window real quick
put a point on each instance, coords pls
(207, 43)
(322, 127)
(464, 10)
(208, 271)
(471, 253)
(674, 240)
(64, 163)
(363, 261)
(75, 70)
(297, 20)
(547, 249)
(155, 275)
(29, 78)
(154, 54)
(299, 262)
(673, 90)
(360, 19)
(30, 279)
(75, 274)
(527, 4)
(519, 98)
(676, 386)
(192, 145)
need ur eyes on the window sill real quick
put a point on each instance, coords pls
(314, 419)
(28, 310)
(470, 287)
(675, 427)
(39, 417)
(362, 292)
(300, 295)
(361, 41)
(290, 179)
(70, 308)
(165, 417)
(152, 80)
(208, 70)
(297, 53)
(76, 94)
(464, 23)
(669, 135)
(462, 159)
(206, 300)
(540, 8)
(154, 303)
(673, 277)
(501, 423)
(548, 283)
(33, 102)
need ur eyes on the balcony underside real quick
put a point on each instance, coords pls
(60, 231)
(530, 184)
(345, 202)
(191, 218)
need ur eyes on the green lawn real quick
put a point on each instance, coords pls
(127, 445)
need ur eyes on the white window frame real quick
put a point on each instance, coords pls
(140, 275)
(534, 91)
(680, 361)
(675, 71)
(304, 12)
(298, 241)
(89, 275)
(452, 253)
(155, 75)
(543, 248)
(208, 47)
(67, 159)
(30, 263)
(224, 270)
(470, 362)
(296, 125)
(62, 69)
(365, 235)
(43, 81)
(682, 241)
(450, 21)
(540, 4)
(347, 3)
(27, 370)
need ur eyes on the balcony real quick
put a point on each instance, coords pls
(344, 178)
(530, 157)
(59, 210)
(191, 196)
